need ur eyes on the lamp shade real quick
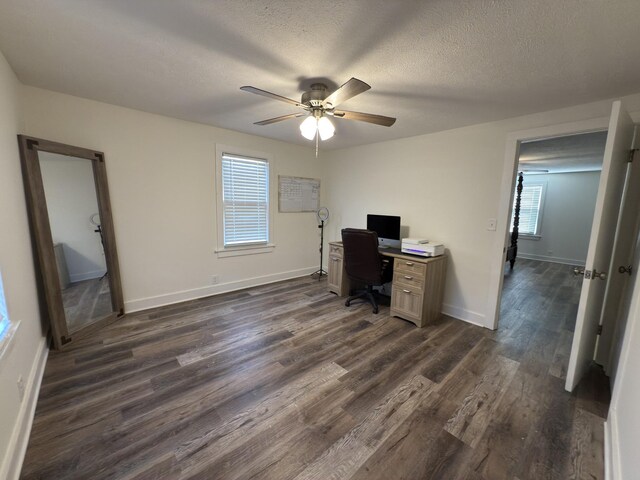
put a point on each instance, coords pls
(309, 127)
(325, 128)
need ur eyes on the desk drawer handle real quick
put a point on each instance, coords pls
(408, 277)
(410, 264)
(406, 291)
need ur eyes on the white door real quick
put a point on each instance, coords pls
(620, 271)
(603, 229)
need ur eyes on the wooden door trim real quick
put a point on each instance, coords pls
(41, 229)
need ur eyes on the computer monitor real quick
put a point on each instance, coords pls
(387, 227)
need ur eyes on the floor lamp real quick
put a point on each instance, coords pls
(322, 215)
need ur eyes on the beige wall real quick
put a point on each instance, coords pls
(161, 180)
(16, 264)
(445, 186)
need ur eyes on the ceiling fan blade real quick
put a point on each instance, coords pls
(264, 93)
(279, 119)
(365, 117)
(349, 89)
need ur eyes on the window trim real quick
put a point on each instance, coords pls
(9, 333)
(250, 249)
(537, 235)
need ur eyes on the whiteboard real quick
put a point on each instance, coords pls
(298, 194)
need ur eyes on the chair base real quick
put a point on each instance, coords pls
(366, 294)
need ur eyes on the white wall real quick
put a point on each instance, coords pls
(445, 186)
(567, 214)
(623, 422)
(71, 201)
(25, 353)
(161, 180)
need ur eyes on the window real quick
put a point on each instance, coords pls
(244, 207)
(530, 209)
(4, 316)
(7, 328)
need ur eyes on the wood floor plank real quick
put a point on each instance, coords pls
(350, 452)
(472, 418)
(419, 448)
(283, 381)
(194, 454)
(587, 447)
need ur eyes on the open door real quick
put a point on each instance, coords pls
(620, 269)
(601, 243)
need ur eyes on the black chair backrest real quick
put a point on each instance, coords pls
(362, 261)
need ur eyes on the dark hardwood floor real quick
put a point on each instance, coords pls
(284, 382)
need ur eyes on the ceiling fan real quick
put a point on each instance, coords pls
(318, 104)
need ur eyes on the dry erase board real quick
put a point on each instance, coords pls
(298, 194)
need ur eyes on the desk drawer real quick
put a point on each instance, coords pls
(406, 302)
(336, 251)
(408, 279)
(409, 267)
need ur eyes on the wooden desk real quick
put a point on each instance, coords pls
(417, 288)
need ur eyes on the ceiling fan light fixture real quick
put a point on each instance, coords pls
(308, 127)
(325, 128)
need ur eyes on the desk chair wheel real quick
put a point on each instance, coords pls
(375, 309)
(347, 303)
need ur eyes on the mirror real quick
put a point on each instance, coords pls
(72, 230)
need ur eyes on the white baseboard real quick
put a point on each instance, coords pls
(612, 466)
(465, 315)
(22, 429)
(544, 258)
(184, 295)
(79, 277)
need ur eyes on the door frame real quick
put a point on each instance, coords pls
(42, 240)
(507, 188)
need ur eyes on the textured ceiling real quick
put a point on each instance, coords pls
(571, 153)
(434, 65)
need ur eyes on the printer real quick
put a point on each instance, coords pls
(422, 247)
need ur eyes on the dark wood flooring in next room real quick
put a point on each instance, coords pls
(284, 382)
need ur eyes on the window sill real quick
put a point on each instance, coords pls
(6, 340)
(526, 236)
(246, 250)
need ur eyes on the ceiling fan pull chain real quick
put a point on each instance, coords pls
(317, 134)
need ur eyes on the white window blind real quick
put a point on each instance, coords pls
(245, 200)
(530, 203)
(4, 317)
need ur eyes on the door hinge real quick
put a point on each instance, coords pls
(599, 329)
(632, 153)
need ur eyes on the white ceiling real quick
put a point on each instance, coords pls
(571, 153)
(434, 65)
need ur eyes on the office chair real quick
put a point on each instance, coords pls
(363, 264)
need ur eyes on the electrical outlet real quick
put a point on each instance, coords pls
(491, 224)
(21, 387)
(215, 279)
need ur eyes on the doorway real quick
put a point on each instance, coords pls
(549, 226)
(608, 238)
